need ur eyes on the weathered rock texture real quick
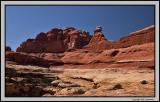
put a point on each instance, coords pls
(99, 43)
(56, 40)
(145, 35)
(22, 58)
(79, 48)
(89, 66)
(134, 56)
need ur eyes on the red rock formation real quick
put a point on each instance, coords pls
(135, 56)
(22, 58)
(145, 35)
(56, 40)
(98, 36)
(99, 43)
(51, 41)
(78, 58)
(74, 38)
(136, 47)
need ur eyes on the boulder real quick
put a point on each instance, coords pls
(51, 90)
(56, 82)
(71, 91)
(67, 84)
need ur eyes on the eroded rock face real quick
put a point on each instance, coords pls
(55, 41)
(58, 40)
(70, 91)
(78, 52)
(44, 42)
(22, 58)
(142, 36)
(141, 56)
(101, 73)
(98, 36)
(100, 43)
(98, 40)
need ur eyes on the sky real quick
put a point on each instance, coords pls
(23, 22)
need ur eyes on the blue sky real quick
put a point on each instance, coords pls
(23, 22)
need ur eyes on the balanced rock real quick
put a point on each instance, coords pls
(98, 42)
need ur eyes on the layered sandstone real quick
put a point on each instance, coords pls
(25, 59)
(70, 62)
(55, 41)
(142, 36)
(100, 43)
(60, 40)
(135, 56)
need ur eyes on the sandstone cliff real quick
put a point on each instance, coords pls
(100, 43)
(55, 41)
(60, 40)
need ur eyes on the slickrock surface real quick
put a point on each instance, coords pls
(78, 82)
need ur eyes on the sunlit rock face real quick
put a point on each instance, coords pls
(99, 43)
(55, 41)
(139, 37)
(60, 40)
